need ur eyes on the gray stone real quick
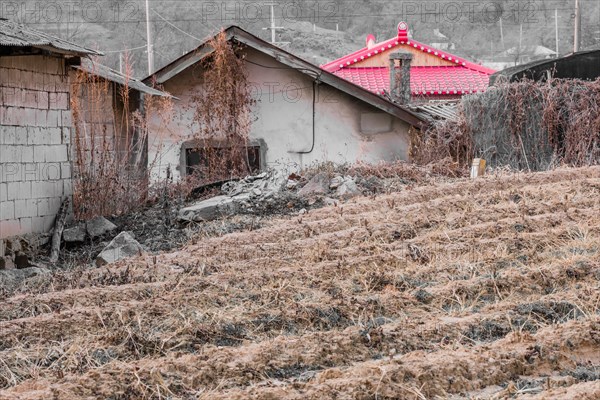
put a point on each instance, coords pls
(208, 210)
(336, 182)
(75, 234)
(15, 276)
(121, 247)
(348, 189)
(99, 226)
(317, 186)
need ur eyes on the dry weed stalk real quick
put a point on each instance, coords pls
(110, 143)
(222, 111)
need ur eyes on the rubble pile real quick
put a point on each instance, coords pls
(272, 193)
(241, 205)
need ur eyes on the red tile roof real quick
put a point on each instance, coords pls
(462, 77)
(428, 81)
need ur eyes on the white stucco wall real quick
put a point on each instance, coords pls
(282, 118)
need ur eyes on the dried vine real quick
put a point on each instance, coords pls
(526, 125)
(222, 112)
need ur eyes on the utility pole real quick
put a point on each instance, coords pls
(577, 37)
(502, 35)
(556, 30)
(520, 45)
(273, 28)
(150, 46)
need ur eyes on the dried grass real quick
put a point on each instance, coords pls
(457, 288)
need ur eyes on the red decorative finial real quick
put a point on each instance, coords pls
(403, 30)
(370, 41)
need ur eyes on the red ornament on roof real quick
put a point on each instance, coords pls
(403, 30)
(370, 41)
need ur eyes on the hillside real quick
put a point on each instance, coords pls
(445, 289)
(340, 27)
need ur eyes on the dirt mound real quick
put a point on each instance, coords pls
(455, 289)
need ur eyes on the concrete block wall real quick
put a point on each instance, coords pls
(96, 122)
(35, 142)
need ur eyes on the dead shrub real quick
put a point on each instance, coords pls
(526, 125)
(222, 112)
(110, 142)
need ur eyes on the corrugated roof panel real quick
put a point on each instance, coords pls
(114, 76)
(17, 35)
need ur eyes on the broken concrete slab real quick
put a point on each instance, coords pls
(99, 227)
(259, 186)
(317, 186)
(208, 210)
(75, 234)
(121, 247)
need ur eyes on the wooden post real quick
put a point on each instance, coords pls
(477, 168)
(59, 226)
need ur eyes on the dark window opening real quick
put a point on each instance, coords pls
(205, 161)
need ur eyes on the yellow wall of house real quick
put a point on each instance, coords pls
(420, 58)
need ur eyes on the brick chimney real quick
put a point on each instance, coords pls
(400, 77)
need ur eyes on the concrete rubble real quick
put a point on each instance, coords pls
(264, 189)
(271, 191)
(75, 234)
(14, 252)
(121, 247)
(208, 210)
(346, 188)
(317, 186)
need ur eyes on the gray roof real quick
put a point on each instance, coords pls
(13, 34)
(580, 65)
(241, 36)
(110, 74)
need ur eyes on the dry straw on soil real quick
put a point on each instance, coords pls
(450, 289)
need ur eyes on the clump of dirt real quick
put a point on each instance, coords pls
(328, 304)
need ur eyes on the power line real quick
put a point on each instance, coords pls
(176, 27)
(327, 19)
(122, 50)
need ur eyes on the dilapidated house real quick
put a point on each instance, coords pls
(35, 127)
(302, 115)
(37, 123)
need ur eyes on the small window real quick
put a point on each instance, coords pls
(211, 161)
